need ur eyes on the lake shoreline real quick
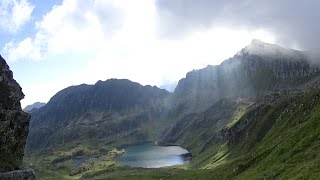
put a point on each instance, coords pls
(165, 144)
(153, 155)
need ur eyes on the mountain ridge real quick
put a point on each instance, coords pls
(108, 104)
(245, 71)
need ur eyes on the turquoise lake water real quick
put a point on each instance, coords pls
(149, 155)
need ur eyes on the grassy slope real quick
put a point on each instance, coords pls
(59, 164)
(289, 149)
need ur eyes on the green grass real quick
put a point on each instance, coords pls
(59, 164)
(240, 111)
(289, 150)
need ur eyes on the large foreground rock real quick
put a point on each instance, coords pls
(14, 123)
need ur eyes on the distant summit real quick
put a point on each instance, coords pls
(259, 48)
(36, 105)
(169, 87)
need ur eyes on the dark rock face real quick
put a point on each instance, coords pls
(14, 122)
(25, 174)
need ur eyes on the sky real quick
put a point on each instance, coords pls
(50, 45)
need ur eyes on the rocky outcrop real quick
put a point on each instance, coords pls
(14, 122)
(198, 131)
(255, 113)
(25, 174)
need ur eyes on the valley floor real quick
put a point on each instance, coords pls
(280, 141)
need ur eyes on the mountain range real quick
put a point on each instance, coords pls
(34, 106)
(254, 116)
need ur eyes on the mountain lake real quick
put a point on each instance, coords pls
(149, 155)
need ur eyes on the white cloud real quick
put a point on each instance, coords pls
(14, 14)
(76, 26)
(156, 63)
(26, 49)
(122, 38)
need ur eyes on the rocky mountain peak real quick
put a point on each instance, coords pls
(272, 51)
(253, 72)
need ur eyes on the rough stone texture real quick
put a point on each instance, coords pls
(14, 122)
(24, 174)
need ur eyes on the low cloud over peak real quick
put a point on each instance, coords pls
(293, 23)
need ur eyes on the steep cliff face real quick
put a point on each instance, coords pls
(14, 122)
(253, 72)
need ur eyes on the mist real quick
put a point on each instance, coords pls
(293, 22)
